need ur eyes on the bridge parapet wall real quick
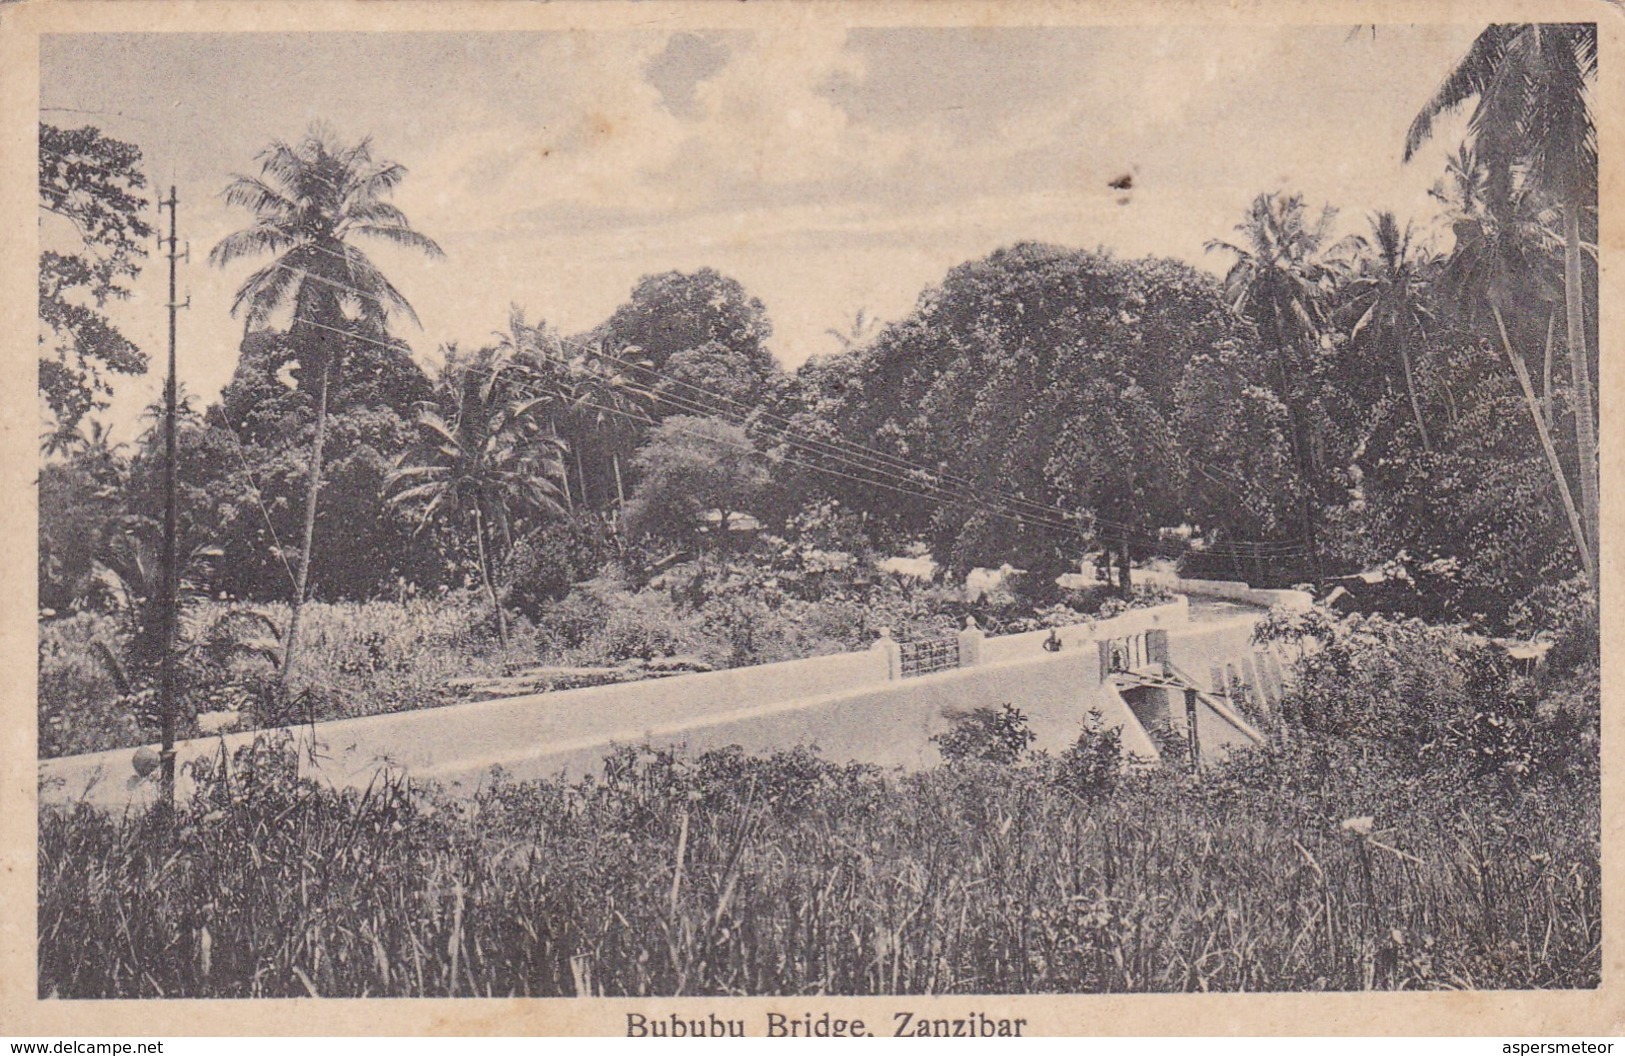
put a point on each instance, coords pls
(853, 705)
(886, 725)
(1228, 590)
(1171, 616)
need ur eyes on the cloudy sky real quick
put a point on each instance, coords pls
(827, 169)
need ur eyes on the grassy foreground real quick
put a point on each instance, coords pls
(1323, 865)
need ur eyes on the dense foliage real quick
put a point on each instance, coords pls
(95, 184)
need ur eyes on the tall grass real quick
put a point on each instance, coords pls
(725, 874)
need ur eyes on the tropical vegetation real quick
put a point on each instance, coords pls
(1398, 411)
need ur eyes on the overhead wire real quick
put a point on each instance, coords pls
(1068, 522)
(851, 454)
(904, 486)
(910, 487)
(850, 448)
(854, 454)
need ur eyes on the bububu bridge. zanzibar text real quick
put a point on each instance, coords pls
(807, 1025)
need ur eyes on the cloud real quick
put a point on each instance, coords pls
(676, 72)
(668, 128)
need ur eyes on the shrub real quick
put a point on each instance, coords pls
(1440, 695)
(602, 621)
(358, 659)
(1093, 764)
(987, 735)
(1399, 680)
(545, 565)
(80, 707)
(1566, 613)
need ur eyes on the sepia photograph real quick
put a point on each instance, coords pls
(815, 501)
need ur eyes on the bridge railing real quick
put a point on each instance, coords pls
(929, 656)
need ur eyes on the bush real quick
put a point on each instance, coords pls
(357, 659)
(1093, 765)
(1566, 614)
(987, 735)
(602, 621)
(1402, 681)
(546, 565)
(80, 706)
(380, 656)
(1443, 697)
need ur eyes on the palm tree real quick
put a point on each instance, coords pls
(534, 353)
(311, 201)
(488, 452)
(1282, 273)
(607, 400)
(1388, 299)
(1532, 123)
(1281, 280)
(857, 333)
(596, 396)
(154, 413)
(1503, 261)
(130, 571)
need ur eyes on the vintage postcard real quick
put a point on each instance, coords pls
(805, 518)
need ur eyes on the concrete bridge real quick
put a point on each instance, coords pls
(882, 705)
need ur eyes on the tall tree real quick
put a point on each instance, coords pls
(488, 453)
(311, 202)
(93, 182)
(1388, 300)
(1532, 120)
(698, 475)
(694, 328)
(608, 408)
(1280, 280)
(1502, 265)
(535, 352)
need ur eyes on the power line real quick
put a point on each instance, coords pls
(848, 447)
(1136, 535)
(863, 451)
(807, 444)
(850, 453)
(933, 490)
(906, 486)
(928, 494)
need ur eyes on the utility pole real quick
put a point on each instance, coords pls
(169, 571)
